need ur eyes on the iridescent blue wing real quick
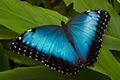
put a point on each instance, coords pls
(87, 29)
(49, 45)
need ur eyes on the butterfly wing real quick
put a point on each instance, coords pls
(49, 45)
(87, 29)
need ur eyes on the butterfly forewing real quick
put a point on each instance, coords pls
(87, 29)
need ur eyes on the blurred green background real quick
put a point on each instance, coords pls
(16, 16)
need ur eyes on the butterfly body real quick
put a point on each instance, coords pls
(68, 47)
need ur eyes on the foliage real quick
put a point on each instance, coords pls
(17, 16)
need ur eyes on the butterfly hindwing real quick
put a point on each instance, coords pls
(49, 45)
(87, 29)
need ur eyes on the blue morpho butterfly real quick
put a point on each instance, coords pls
(68, 47)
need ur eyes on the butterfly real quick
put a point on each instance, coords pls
(66, 48)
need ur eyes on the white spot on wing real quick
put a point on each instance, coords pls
(30, 56)
(62, 72)
(36, 59)
(24, 50)
(19, 38)
(19, 49)
(47, 65)
(30, 52)
(29, 30)
(58, 70)
(12, 43)
(98, 11)
(15, 46)
(42, 61)
(88, 10)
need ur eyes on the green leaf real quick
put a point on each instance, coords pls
(118, 1)
(6, 33)
(44, 73)
(83, 5)
(4, 62)
(111, 42)
(116, 55)
(20, 16)
(108, 65)
(116, 5)
(34, 2)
